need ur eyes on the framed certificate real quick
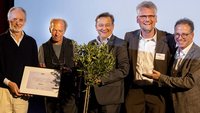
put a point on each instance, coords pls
(40, 81)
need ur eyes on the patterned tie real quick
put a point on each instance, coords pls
(179, 58)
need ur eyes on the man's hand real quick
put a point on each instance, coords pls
(98, 82)
(42, 65)
(14, 89)
(66, 70)
(155, 75)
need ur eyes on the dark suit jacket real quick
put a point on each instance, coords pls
(112, 90)
(185, 83)
(162, 47)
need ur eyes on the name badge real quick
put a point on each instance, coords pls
(160, 56)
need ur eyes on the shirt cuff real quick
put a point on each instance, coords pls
(6, 81)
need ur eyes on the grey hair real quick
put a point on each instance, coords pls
(15, 8)
(146, 4)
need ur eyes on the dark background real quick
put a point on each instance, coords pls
(5, 5)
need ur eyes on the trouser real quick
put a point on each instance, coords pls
(145, 100)
(60, 105)
(95, 107)
(114, 108)
(10, 104)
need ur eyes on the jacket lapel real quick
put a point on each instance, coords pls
(160, 46)
(188, 57)
(133, 48)
(160, 43)
(111, 43)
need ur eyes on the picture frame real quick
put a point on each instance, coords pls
(40, 81)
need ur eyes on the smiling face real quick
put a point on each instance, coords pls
(16, 20)
(183, 35)
(147, 19)
(104, 27)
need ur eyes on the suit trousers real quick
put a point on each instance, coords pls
(10, 104)
(60, 105)
(144, 100)
(95, 107)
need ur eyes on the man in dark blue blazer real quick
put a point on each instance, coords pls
(108, 97)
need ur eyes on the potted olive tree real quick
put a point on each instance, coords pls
(95, 61)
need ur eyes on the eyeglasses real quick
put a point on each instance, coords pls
(147, 16)
(183, 35)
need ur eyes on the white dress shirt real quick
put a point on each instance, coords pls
(145, 57)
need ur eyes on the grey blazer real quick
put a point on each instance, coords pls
(112, 90)
(185, 83)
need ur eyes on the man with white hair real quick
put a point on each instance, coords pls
(17, 50)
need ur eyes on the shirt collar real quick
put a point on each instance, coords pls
(181, 53)
(105, 41)
(13, 37)
(154, 38)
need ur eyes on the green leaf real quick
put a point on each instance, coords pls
(94, 60)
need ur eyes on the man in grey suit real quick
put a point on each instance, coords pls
(148, 48)
(108, 97)
(185, 72)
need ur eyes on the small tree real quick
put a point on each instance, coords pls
(95, 61)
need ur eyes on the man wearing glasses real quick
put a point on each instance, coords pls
(148, 49)
(184, 80)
